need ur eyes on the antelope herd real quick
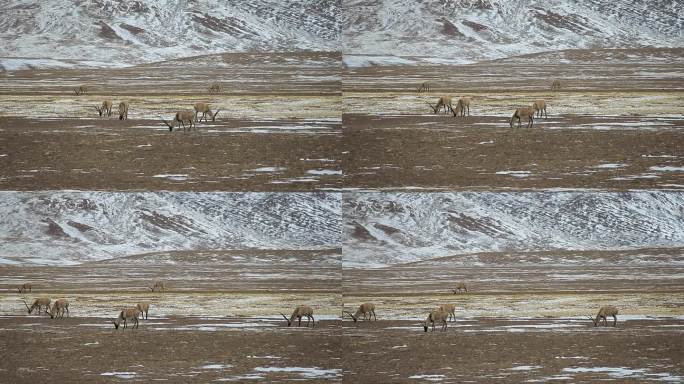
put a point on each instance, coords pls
(366, 311)
(462, 109)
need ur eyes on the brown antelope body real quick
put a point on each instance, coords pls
(524, 112)
(25, 287)
(603, 313)
(123, 110)
(182, 117)
(540, 107)
(461, 105)
(126, 315)
(144, 308)
(105, 108)
(425, 87)
(450, 309)
(39, 303)
(205, 109)
(365, 309)
(436, 316)
(556, 85)
(81, 90)
(58, 308)
(215, 88)
(299, 312)
(445, 102)
(158, 286)
(461, 287)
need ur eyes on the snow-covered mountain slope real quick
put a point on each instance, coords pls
(136, 31)
(385, 229)
(461, 31)
(73, 227)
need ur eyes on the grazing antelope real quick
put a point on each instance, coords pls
(450, 309)
(39, 303)
(25, 287)
(215, 88)
(105, 108)
(58, 308)
(158, 286)
(460, 287)
(425, 87)
(436, 316)
(205, 109)
(125, 315)
(540, 107)
(182, 117)
(299, 312)
(526, 112)
(364, 309)
(604, 312)
(556, 85)
(144, 308)
(444, 101)
(81, 90)
(461, 106)
(123, 110)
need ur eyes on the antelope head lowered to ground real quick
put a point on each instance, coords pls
(425, 87)
(206, 110)
(215, 88)
(443, 102)
(126, 315)
(604, 312)
(461, 106)
(58, 308)
(158, 286)
(105, 108)
(25, 287)
(524, 112)
(460, 287)
(299, 312)
(80, 90)
(182, 117)
(123, 110)
(436, 316)
(38, 304)
(365, 309)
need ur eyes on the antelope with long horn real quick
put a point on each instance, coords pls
(58, 308)
(436, 316)
(540, 107)
(126, 315)
(181, 118)
(460, 287)
(206, 110)
(81, 90)
(158, 286)
(38, 303)
(365, 309)
(425, 87)
(25, 287)
(144, 308)
(105, 108)
(444, 101)
(556, 85)
(215, 88)
(603, 313)
(450, 309)
(299, 312)
(123, 110)
(461, 105)
(526, 112)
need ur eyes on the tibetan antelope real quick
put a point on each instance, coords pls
(540, 107)
(126, 315)
(81, 90)
(425, 87)
(25, 287)
(526, 112)
(365, 309)
(603, 313)
(556, 85)
(444, 101)
(460, 287)
(299, 312)
(450, 309)
(158, 286)
(181, 118)
(38, 303)
(105, 108)
(436, 316)
(58, 308)
(205, 109)
(123, 110)
(461, 106)
(144, 308)
(215, 88)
